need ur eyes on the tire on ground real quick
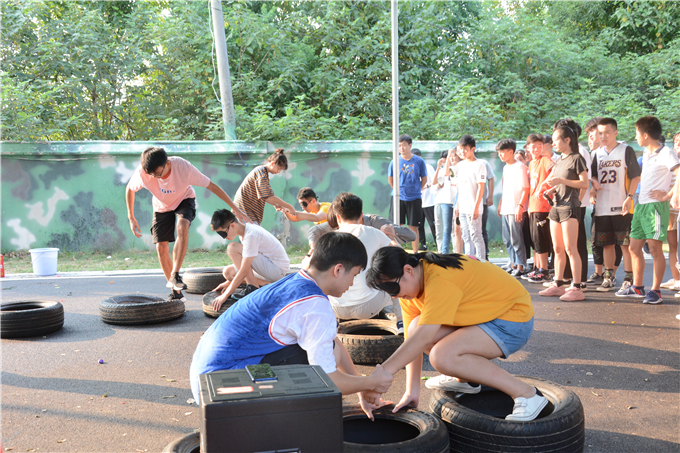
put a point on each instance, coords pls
(134, 309)
(559, 428)
(208, 299)
(191, 443)
(30, 318)
(407, 431)
(369, 341)
(202, 279)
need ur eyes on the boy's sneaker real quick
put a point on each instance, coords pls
(653, 297)
(176, 296)
(553, 291)
(517, 273)
(631, 291)
(400, 328)
(595, 278)
(451, 384)
(540, 277)
(669, 284)
(548, 284)
(527, 409)
(607, 284)
(675, 287)
(573, 294)
(626, 284)
(176, 282)
(530, 273)
(241, 293)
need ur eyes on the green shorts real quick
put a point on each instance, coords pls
(650, 221)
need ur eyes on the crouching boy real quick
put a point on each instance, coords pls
(291, 322)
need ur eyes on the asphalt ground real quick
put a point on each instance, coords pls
(619, 356)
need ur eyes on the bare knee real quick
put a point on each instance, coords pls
(234, 248)
(162, 247)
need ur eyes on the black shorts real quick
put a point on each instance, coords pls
(163, 225)
(413, 210)
(612, 230)
(561, 214)
(290, 355)
(539, 227)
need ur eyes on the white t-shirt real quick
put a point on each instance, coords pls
(470, 175)
(447, 194)
(585, 202)
(427, 194)
(515, 181)
(256, 240)
(360, 292)
(311, 323)
(168, 193)
(489, 175)
(656, 173)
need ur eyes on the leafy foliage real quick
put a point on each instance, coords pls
(126, 70)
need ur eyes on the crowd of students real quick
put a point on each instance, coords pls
(448, 311)
(546, 189)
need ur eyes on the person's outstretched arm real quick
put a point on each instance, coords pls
(217, 190)
(130, 202)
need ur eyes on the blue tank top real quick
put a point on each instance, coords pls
(241, 336)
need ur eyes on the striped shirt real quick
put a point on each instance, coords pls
(253, 191)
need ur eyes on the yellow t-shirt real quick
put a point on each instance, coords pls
(323, 208)
(479, 292)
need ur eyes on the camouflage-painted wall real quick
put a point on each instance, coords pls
(71, 195)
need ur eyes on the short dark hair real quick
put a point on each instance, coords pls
(306, 192)
(406, 138)
(220, 218)
(547, 138)
(506, 143)
(467, 140)
(608, 121)
(152, 158)
(338, 248)
(331, 218)
(348, 206)
(592, 124)
(444, 154)
(416, 151)
(570, 123)
(534, 138)
(279, 158)
(649, 125)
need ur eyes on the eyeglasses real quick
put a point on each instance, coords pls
(304, 204)
(223, 234)
(157, 175)
(391, 288)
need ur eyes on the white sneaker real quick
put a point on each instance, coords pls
(669, 284)
(527, 409)
(451, 384)
(675, 287)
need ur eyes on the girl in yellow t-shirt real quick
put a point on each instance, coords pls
(461, 312)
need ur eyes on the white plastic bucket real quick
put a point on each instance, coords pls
(44, 261)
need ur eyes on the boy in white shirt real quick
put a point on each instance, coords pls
(469, 208)
(259, 258)
(169, 179)
(650, 219)
(515, 192)
(359, 301)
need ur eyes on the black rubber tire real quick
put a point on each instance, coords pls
(369, 349)
(207, 304)
(561, 430)
(203, 279)
(29, 318)
(135, 309)
(191, 443)
(432, 436)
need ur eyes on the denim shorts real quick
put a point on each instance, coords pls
(509, 336)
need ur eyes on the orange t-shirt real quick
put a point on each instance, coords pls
(538, 171)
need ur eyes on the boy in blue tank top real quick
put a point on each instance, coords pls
(291, 322)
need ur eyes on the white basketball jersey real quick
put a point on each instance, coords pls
(613, 178)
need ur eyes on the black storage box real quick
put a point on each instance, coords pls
(300, 412)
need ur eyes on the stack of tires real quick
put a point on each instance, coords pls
(369, 341)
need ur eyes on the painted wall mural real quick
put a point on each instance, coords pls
(71, 195)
